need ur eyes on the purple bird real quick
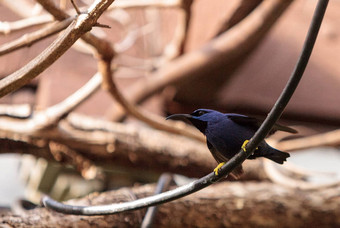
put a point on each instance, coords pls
(227, 133)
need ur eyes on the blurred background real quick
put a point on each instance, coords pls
(146, 40)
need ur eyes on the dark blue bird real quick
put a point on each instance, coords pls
(226, 134)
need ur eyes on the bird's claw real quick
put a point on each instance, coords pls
(218, 167)
(245, 144)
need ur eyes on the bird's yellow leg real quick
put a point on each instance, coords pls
(218, 167)
(245, 144)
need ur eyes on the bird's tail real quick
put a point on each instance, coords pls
(276, 155)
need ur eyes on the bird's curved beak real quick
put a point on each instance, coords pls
(179, 117)
(183, 117)
(189, 119)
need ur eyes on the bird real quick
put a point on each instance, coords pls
(227, 133)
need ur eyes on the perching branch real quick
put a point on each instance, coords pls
(209, 179)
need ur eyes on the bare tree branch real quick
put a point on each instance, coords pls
(43, 119)
(80, 26)
(30, 38)
(152, 120)
(7, 27)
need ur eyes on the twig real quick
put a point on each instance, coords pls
(7, 27)
(89, 38)
(31, 38)
(102, 25)
(84, 166)
(207, 180)
(75, 7)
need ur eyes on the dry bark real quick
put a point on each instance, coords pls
(224, 204)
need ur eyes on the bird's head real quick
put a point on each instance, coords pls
(199, 118)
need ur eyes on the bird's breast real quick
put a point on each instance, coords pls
(227, 137)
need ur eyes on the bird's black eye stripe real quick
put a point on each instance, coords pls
(198, 113)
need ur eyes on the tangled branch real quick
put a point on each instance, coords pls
(81, 25)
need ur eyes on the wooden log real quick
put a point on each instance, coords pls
(224, 204)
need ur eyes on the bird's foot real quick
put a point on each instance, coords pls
(218, 167)
(245, 144)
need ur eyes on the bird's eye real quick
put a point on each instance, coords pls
(199, 113)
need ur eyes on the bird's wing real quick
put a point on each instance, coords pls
(255, 123)
(236, 173)
(217, 155)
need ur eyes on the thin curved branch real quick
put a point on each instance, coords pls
(77, 28)
(7, 27)
(31, 38)
(209, 179)
(150, 119)
(89, 38)
(45, 118)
